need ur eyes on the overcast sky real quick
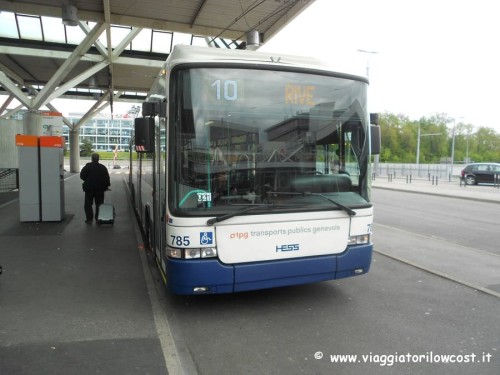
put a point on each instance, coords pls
(432, 56)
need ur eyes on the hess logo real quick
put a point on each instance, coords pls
(289, 247)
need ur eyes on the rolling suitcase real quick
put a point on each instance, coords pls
(106, 214)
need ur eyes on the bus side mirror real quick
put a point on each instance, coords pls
(144, 134)
(374, 118)
(152, 109)
(375, 135)
(375, 139)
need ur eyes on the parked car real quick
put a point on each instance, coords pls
(481, 173)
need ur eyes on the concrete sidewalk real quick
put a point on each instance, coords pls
(453, 189)
(73, 296)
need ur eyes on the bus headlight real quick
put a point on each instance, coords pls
(359, 240)
(208, 252)
(196, 253)
(174, 253)
(192, 253)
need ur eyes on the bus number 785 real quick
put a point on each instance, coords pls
(180, 240)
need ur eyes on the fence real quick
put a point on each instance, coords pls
(9, 179)
(428, 171)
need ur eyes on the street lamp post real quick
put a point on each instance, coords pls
(467, 148)
(367, 60)
(418, 147)
(453, 145)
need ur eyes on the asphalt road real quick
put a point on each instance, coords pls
(465, 222)
(397, 319)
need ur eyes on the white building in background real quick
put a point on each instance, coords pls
(104, 132)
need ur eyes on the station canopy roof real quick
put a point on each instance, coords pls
(112, 50)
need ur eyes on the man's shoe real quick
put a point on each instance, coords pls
(88, 221)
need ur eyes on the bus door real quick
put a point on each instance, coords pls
(160, 190)
(138, 188)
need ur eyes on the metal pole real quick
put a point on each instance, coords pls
(452, 148)
(74, 151)
(418, 147)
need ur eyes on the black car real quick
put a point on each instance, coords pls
(481, 173)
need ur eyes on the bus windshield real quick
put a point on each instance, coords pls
(280, 139)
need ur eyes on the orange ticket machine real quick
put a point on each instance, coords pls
(41, 177)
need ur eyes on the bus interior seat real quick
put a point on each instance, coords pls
(322, 183)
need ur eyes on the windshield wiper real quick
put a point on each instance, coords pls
(247, 209)
(349, 211)
(236, 213)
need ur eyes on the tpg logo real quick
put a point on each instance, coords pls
(290, 247)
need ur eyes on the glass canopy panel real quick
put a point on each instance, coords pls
(30, 27)
(142, 42)
(9, 28)
(181, 38)
(118, 33)
(75, 35)
(162, 42)
(199, 41)
(53, 30)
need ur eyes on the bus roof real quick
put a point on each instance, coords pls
(185, 54)
(194, 54)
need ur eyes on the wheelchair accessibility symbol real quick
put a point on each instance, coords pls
(206, 238)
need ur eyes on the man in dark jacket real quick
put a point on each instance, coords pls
(96, 181)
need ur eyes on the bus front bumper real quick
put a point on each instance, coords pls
(212, 276)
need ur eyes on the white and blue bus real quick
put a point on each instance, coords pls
(253, 171)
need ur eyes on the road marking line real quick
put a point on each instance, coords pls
(440, 274)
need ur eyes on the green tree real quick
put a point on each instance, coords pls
(395, 138)
(400, 137)
(486, 146)
(86, 147)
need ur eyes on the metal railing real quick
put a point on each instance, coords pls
(9, 179)
(442, 171)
